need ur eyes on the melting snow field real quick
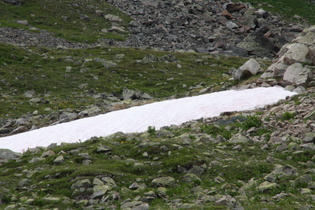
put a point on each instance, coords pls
(137, 119)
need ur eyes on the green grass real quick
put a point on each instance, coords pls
(45, 72)
(235, 169)
(64, 18)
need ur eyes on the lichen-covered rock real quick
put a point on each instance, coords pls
(135, 205)
(100, 190)
(163, 181)
(265, 186)
(239, 139)
(81, 184)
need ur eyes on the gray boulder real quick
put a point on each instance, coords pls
(297, 74)
(295, 60)
(60, 159)
(130, 94)
(239, 139)
(7, 154)
(81, 184)
(257, 44)
(250, 68)
(163, 181)
(135, 95)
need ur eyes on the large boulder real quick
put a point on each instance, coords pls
(297, 74)
(250, 68)
(6, 154)
(257, 44)
(295, 61)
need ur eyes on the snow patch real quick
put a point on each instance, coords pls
(137, 119)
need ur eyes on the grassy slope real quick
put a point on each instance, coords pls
(64, 19)
(234, 166)
(45, 72)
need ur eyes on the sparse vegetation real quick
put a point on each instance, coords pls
(73, 21)
(202, 168)
(288, 116)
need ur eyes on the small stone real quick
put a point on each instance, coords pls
(60, 159)
(309, 137)
(48, 154)
(97, 181)
(239, 139)
(22, 22)
(100, 190)
(163, 181)
(136, 205)
(104, 149)
(306, 191)
(191, 178)
(161, 191)
(51, 199)
(36, 159)
(109, 181)
(134, 186)
(81, 184)
(265, 186)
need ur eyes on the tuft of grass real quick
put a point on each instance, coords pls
(215, 130)
(151, 131)
(288, 116)
(251, 121)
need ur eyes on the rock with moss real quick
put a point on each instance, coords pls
(163, 181)
(265, 186)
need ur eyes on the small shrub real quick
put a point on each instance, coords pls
(5, 199)
(151, 131)
(288, 116)
(252, 121)
(215, 130)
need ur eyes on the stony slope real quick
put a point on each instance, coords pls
(251, 160)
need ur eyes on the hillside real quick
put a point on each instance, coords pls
(65, 60)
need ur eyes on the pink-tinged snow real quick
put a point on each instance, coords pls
(137, 119)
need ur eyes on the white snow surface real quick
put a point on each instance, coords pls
(137, 119)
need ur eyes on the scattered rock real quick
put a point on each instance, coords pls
(6, 154)
(163, 181)
(104, 149)
(60, 159)
(265, 186)
(100, 190)
(250, 68)
(294, 63)
(239, 139)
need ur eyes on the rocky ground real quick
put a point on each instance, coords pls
(261, 159)
(201, 26)
(249, 160)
